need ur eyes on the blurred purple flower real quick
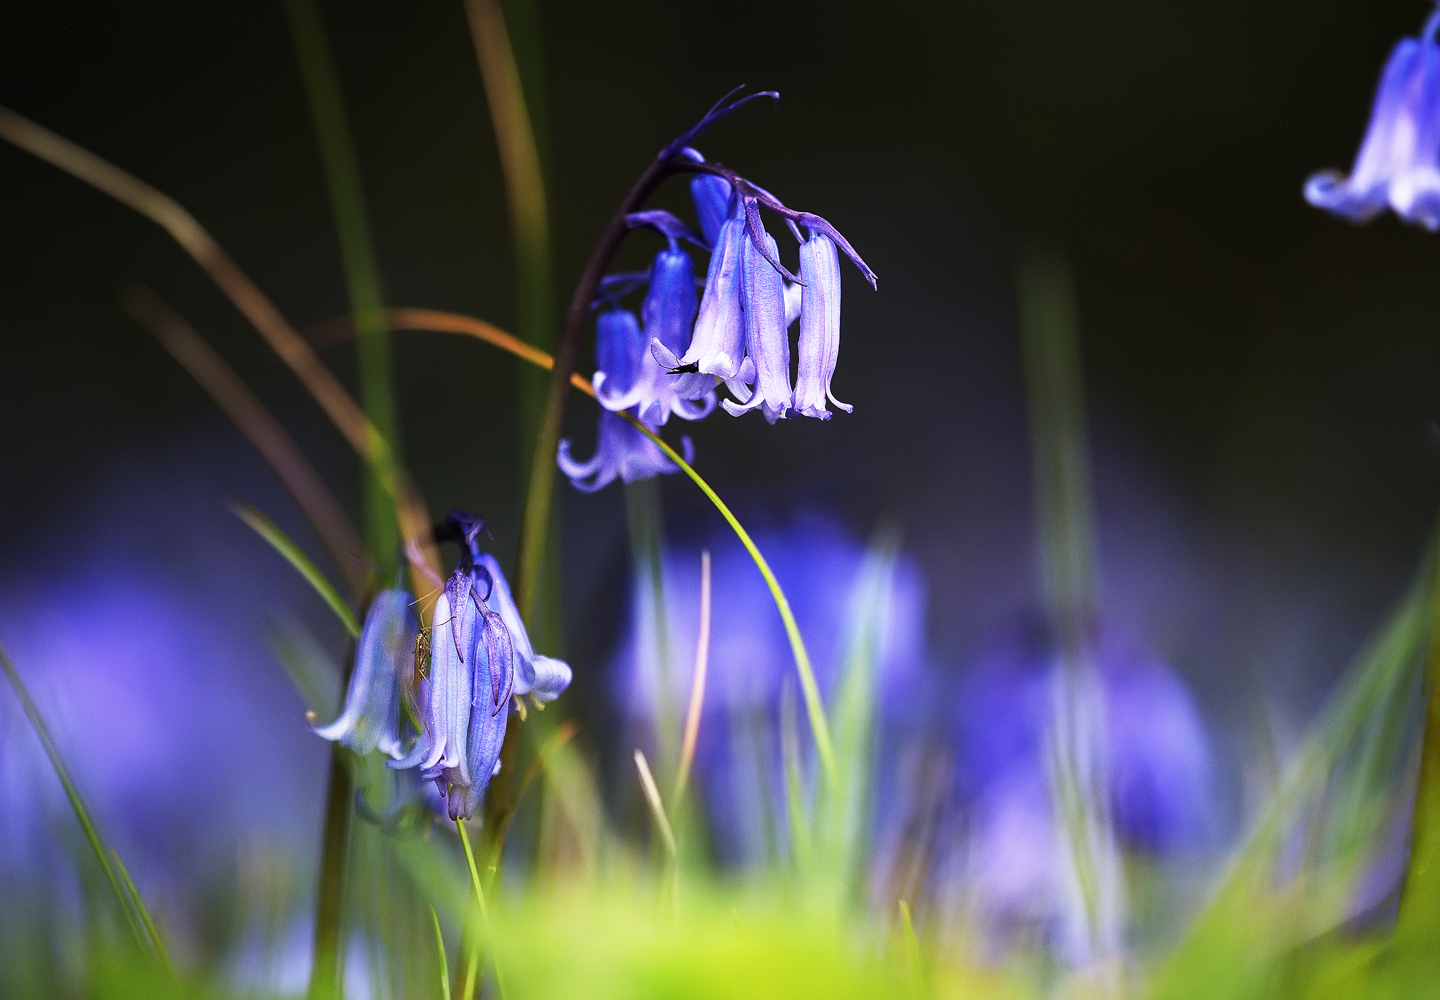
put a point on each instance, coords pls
(165, 666)
(384, 664)
(1399, 159)
(738, 759)
(1157, 760)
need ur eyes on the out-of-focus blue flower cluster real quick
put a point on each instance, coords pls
(138, 625)
(1007, 865)
(738, 757)
(1399, 160)
(990, 827)
(738, 334)
(481, 664)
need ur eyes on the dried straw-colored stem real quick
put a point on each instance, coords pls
(260, 428)
(697, 682)
(246, 296)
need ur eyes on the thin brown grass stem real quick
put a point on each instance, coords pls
(697, 683)
(260, 428)
(342, 328)
(247, 297)
(657, 808)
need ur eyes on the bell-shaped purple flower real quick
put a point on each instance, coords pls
(621, 452)
(542, 677)
(718, 345)
(492, 684)
(384, 664)
(1399, 159)
(767, 340)
(464, 702)
(711, 195)
(638, 380)
(819, 327)
(445, 695)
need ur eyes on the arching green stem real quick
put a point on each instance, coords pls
(814, 708)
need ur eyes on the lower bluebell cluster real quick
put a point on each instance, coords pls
(481, 664)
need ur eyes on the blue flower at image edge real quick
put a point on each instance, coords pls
(1399, 160)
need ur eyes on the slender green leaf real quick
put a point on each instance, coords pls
(73, 794)
(362, 274)
(840, 833)
(282, 544)
(444, 963)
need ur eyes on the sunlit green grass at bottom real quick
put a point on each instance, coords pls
(629, 940)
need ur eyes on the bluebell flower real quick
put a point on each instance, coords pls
(384, 663)
(819, 326)
(767, 338)
(718, 344)
(711, 196)
(481, 658)
(637, 379)
(1399, 159)
(541, 677)
(621, 451)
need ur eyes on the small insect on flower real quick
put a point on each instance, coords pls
(481, 660)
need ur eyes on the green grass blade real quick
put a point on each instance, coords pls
(362, 274)
(801, 840)
(150, 928)
(1055, 387)
(484, 910)
(444, 962)
(647, 529)
(1229, 947)
(281, 543)
(71, 792)
(1419, 917)
(841, 829)
(814, 707)
(516, 105)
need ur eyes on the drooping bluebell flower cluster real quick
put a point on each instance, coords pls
(482, 663)
(1399, 160)
(738, 334)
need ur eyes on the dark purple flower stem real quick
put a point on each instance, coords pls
(535, 525)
